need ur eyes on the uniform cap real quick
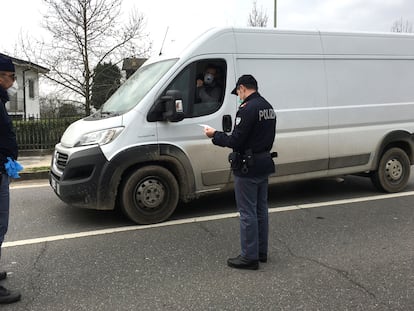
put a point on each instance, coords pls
(247, 80)
(6, 64)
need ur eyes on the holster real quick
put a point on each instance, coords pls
(240, 161)
(235, 160)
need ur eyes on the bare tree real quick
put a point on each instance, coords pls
(402, 26)
(85, 33)
(257, 18)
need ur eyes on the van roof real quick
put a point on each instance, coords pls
(231, 40)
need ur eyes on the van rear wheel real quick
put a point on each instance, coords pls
(149, 195)
(393, 171)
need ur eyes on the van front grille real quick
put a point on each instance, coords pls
(60, 160)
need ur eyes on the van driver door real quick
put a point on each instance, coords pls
(205, 86)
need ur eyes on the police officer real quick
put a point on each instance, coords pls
(251, 140)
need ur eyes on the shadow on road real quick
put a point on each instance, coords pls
(294, 193)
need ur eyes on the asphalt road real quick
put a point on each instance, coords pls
(333, 246)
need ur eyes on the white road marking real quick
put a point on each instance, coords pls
(116, 230)
(24, 185)
(344, 201)
(199, 219)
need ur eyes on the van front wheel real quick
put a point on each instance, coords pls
(149, 195)
(393, 171)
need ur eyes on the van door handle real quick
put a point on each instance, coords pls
(227, 123)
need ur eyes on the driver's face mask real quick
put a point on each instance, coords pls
(208, 78)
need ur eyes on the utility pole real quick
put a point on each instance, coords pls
(275, 19)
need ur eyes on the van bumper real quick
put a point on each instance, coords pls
(75, 177)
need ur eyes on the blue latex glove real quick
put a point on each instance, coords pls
(13, 168)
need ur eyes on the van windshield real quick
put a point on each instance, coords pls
(135, 88)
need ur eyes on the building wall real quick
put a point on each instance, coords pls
(32, 93)
(15, 105)
(27, 98)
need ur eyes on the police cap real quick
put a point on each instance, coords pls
(248, 81)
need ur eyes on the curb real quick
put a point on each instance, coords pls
(32, 176)
(37, 152)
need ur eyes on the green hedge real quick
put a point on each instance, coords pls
(36, 134)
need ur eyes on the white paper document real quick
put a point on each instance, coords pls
(204, 125)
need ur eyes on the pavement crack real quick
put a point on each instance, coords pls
(35, 276)
(202, 226)
(341, 272)
(38, 258)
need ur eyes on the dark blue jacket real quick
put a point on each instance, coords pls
(254, 129)
(8, 143)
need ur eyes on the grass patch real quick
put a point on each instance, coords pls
(36, 169)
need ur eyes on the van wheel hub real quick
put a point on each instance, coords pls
(150, 194)
(394, 169)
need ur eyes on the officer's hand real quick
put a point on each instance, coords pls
(209, 131)
(199, 82)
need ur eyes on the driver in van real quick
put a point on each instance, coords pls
(208, 89)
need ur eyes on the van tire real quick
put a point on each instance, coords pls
(393, 171)
(149, 195)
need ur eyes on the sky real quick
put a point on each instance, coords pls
(185, 19)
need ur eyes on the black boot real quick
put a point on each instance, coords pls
(3, 275)
(240, 262)
(262, 257)
(8, 296)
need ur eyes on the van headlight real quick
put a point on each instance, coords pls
(101, 137)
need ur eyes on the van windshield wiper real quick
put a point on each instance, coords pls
(109, 114)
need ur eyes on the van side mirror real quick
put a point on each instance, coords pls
(174, 110)
(227, 123)
(168, 108)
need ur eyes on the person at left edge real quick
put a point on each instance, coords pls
(8, 148)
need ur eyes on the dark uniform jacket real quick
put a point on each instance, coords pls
(8, 143)
(254, 131)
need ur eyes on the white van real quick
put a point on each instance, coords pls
(344, 102)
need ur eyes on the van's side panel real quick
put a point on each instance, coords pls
(289, 69)
(370, 94)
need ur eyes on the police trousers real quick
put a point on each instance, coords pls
(4, 206)
(251, 200)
